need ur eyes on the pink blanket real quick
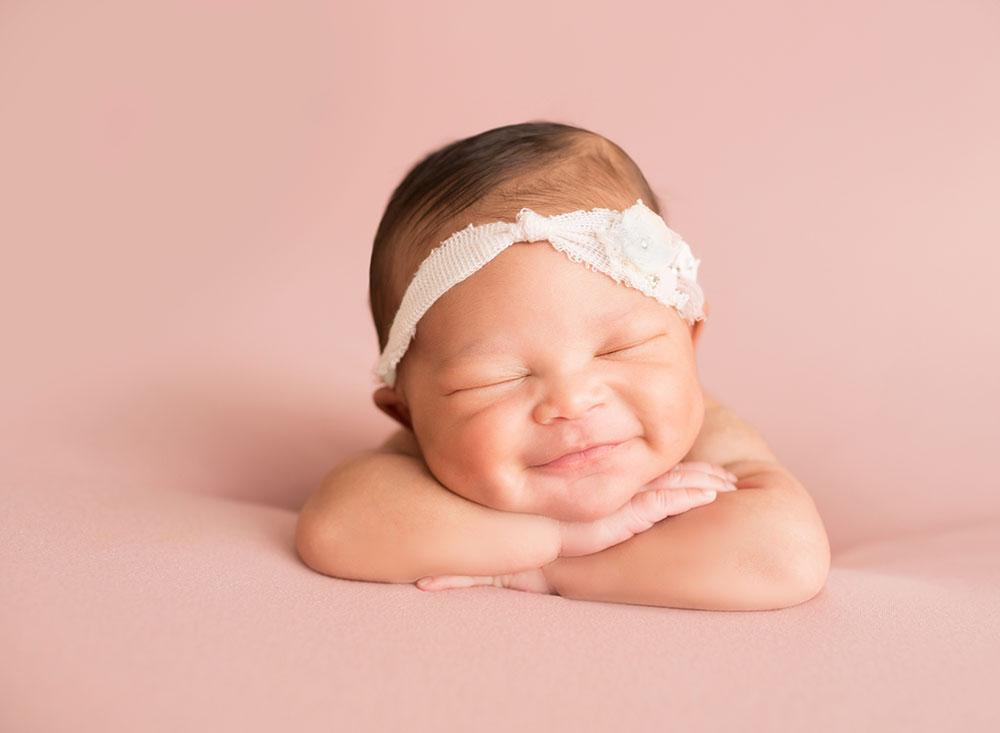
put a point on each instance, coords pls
(162, 612)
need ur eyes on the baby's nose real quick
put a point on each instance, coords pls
(569, 398)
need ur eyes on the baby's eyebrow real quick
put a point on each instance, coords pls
(616, 315)
(480, 348)
(487, 348)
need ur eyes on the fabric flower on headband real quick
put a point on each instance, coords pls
(647, 246)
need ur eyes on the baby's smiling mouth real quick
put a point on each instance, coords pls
(582, 457)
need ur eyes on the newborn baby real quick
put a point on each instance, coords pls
(538, 322)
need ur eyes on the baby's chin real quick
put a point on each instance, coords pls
(569, 498)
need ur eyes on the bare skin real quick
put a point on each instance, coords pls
(551, 420)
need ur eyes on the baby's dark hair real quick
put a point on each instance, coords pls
(547, 166)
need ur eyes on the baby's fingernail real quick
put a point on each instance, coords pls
(707, 493)
(728, 487)
(732, 477)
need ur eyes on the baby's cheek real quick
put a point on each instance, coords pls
(671, 408)
(478, 462)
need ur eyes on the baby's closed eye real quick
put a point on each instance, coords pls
(629, 347)
(622, 349)
(487, 383)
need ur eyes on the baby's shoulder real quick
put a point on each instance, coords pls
(402, 442)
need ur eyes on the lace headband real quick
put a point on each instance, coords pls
(634, 247)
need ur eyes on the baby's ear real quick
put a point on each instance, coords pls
(389, 402)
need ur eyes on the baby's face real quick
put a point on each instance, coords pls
(539, 386)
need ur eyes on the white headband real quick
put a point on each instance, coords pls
(634, 247)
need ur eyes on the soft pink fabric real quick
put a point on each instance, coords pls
(159, 612)
(188, 193)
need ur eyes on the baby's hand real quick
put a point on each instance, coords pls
(684, 487)
(532, 581)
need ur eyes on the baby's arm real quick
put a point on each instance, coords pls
(762, 547)
(382, 516)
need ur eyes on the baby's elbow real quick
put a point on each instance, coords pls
(308, 544)
(806, 571)
(801, 548)
(314, 540)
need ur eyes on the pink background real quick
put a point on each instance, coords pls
(189, 190)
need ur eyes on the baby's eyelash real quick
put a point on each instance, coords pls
(631, 346)
(617, 351)
(484, 386)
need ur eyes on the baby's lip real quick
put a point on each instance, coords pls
(581, 455)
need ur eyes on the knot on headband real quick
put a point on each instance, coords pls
(634, 247)
(533, 227)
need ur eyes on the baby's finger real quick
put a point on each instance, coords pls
(447, 582)
(707, 468)
(653, 506)
(689, 480)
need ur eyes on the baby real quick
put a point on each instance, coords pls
(538, 322)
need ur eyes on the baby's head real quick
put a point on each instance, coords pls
(552, 376)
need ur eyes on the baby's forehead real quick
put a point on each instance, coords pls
(532, 286)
